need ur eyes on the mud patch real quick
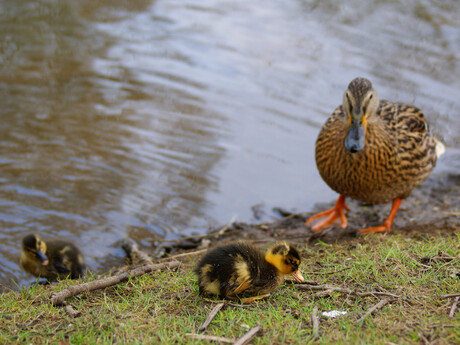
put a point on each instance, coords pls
(433, 208)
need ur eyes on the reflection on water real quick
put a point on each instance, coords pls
(154, 119)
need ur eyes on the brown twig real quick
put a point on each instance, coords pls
(372, 309)
(454, 307)
(227, 226)
(248, 336)
(60, 297)
(211, 316)
(72, 312)
(210, 338)
(315, 322)
(184, 254)
(449, 296)
(345, 290)
(136, 255)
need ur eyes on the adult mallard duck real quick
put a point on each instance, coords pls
(52, 260)
(240, 267)
(374, 151)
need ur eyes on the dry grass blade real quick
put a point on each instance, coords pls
(210, 338)
(315, 322)
(330, 288)
(372, 309)
(454, 307)
(211, 316)
(248, 336)
(450, 296)
(60, 297)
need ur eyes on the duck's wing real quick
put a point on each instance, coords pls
(61, 268)
(243, 286)
(403, 118)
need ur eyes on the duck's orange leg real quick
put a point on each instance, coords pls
(330, 215)
(386, 226)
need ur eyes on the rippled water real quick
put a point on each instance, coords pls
(156, 119)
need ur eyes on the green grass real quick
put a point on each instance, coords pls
(162, 307)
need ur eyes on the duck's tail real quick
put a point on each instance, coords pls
(440, 148)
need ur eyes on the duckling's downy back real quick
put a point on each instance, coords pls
(52, 260)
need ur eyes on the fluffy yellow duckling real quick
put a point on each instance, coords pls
(52, 260)
(240, 267)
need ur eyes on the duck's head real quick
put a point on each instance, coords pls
(35, 248)
(360, 104)
(286, 259)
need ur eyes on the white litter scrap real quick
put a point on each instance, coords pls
(333, 313)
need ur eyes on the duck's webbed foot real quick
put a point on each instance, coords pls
(338, 211)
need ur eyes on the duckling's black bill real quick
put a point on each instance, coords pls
(41, 257)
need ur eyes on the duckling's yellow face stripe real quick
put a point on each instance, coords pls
(284, 264)
(41, 246)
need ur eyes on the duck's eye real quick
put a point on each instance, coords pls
(350, 106)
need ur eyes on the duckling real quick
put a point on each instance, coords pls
(240, 267)
(374, 151)
(52, 260)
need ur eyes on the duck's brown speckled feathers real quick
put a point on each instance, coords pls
(398, 155)
(240, 267)
(53, 260)
(374, 150)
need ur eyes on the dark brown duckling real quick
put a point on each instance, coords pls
(52, 260)
(240, 267)
(374, 151)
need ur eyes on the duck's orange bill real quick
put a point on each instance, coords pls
(298, 276)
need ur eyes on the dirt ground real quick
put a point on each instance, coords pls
(433, 207)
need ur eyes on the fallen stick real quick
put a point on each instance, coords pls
(248, 336)
(344, 290)
(454, 307)
(372, 309)
(211, 316)
(450, 296)
(227, 226)
(60, 297)
(210, 338)
(315, 322)
(136, 255)
(184, 254)
(72, 312)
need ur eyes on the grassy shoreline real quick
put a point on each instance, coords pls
(162, 307)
